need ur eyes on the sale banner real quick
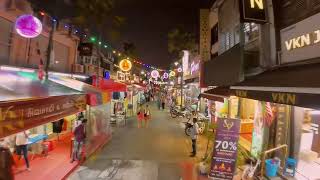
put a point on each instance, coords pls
(225, 150)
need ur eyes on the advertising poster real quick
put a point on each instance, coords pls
(225, 149)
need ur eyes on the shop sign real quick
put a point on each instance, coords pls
(22, 115)
(253, 11)
(225, 150)
(194, 67)
(301, 41)
(85, 49)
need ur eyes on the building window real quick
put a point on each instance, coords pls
(214, 34)
(251, 31)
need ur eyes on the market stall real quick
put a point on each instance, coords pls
(44, 110)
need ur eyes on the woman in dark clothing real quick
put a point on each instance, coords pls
(6, 162)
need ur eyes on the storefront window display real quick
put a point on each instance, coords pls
(52, 140)
(309, 146)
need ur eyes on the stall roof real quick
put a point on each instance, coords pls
(112, 86)
(25, 85)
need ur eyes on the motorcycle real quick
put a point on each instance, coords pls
(175, 112)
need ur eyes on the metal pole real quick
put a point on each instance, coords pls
(181, 82)
(50, 45)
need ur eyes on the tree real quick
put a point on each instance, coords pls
(92, 14)
(129, 49)
(179, 40)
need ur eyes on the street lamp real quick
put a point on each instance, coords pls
(176, 63)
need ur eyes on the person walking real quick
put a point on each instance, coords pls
(147, 116)
(79, 137)
(22, 147)
(6, 161)
(140, 116)
(159, 102)
(163, 102)
(194, 137)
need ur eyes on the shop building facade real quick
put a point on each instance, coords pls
(271, 59)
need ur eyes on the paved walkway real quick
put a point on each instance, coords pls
(159, 152)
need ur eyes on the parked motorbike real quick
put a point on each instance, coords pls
(175, 112)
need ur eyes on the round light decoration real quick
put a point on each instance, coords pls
(125, 65)
(172, 73)
(155, 74)
(165, 75)
(180, 70)
(28, 26)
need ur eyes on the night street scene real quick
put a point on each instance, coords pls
(159, 90)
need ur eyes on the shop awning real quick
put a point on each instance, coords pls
(216, 94)
(26, 102)
(292, 85)
(111, 85)
(24, 85)
(95, 96)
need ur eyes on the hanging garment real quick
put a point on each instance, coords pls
(57, 126)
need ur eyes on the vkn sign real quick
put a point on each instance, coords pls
(301, 41)
(253, 11)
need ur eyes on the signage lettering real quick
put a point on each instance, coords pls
(258, 2)
(253, 11)
(194, 67)
(18, 116)
(284, 98)
(304, 40)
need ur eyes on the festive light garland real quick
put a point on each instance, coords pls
(93, 40)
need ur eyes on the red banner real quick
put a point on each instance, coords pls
(22, 115)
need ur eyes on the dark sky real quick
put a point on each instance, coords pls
(149, 21)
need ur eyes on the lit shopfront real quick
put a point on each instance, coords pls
(47, 111)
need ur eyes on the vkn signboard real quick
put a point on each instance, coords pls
(253, 11)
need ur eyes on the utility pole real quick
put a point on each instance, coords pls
(50, 46)
(181, 86)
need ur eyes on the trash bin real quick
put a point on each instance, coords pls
(272, 167)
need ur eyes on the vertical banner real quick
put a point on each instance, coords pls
(258, 129)
(225, 150)
(205, 35)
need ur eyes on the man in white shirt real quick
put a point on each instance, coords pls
(22, 146)
(194, 137)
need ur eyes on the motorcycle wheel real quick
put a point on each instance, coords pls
(187, 131)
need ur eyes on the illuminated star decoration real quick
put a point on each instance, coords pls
(28, 26)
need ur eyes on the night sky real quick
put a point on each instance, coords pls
(149, 21)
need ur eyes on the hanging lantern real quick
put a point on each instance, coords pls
(125, 65)
(155, 74)
(28, 26)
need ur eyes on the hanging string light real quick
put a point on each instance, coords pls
(93, 39)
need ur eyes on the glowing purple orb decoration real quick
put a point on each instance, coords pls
(28, 26)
